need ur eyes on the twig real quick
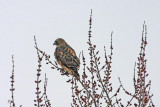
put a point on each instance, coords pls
(47, 101)
(12, 103)
(38, 81)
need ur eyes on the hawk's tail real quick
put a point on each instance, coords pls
(76, 74)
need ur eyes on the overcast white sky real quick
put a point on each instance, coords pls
(20, 20)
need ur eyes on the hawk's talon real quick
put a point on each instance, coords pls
(65, 73)
(62, 70)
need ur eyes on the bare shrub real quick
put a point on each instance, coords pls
(95, 88)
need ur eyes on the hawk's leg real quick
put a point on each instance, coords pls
(65, 73)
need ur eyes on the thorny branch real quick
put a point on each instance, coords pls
(38, 81)
(12, 104)
(39, 100)
(44, 96)
(141, 89)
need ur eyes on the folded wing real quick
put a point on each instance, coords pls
(67, 58)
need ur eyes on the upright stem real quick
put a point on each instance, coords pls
(12, 82)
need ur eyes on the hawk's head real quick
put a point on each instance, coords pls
(59, 42)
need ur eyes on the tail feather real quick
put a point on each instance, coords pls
(76, 74)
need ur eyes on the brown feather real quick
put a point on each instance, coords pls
(66, 58)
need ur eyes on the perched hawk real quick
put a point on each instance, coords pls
(66, 57)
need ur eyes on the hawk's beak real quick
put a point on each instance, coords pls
(55, 43)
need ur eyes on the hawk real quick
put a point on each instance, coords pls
(66, 57)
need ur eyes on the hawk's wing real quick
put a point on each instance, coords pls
(67, 57)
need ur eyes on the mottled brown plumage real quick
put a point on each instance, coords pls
(66, 57)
